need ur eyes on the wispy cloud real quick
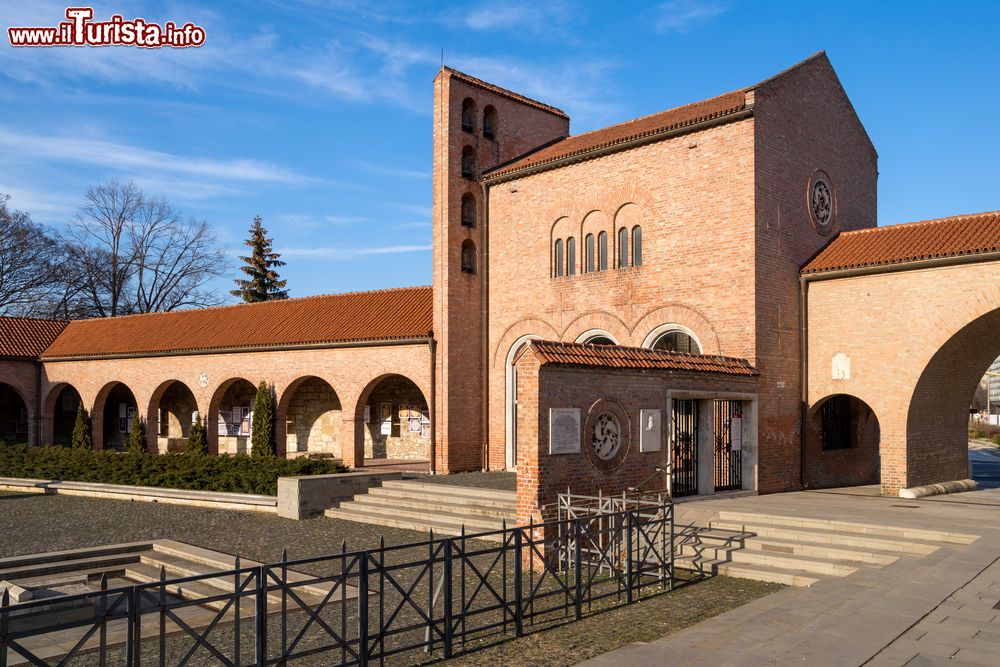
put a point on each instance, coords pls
(394, 171)
(416, 209)
(346, 253)
(533, 17)
(682, 15)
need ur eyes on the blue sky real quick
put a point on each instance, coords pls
(317, 114)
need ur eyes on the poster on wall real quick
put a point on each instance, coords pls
(245, 416)
(415, 425)
(386, 413)
(425, 416)
(223, 423)
(425, 431)
(649, 435)
(368, 414)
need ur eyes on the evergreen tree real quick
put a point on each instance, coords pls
(83, 437)
(262, 428)
(137, 436)
(197, 440)
(263, 282)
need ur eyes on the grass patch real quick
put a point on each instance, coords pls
(237, 474)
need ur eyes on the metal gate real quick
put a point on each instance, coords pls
(728, 461)
(684, 459)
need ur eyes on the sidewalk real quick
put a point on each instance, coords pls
(938, 609)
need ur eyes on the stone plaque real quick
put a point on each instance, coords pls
(649, 431)
(736, 433)
(564, 430)
(840, 367)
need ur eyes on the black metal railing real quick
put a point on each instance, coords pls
(438, 596)
(728, 458)
(684, 455)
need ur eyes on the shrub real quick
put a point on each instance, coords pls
(262, 428)
(197, 441)
(137, 437)
(83, 436)
(237, 474)
(996, 440)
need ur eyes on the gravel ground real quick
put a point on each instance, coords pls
(505, 481)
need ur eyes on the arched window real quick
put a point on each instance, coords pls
(468, 210)
(468, 114)
(600, 340)
(589, 264)
(677, 341)
(469, 163)
(637, 246)
(490, 122)
(602, 251)
(469, 257)
(571, 256)
(622, 247)
(558, 260)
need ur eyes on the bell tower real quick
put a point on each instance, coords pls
(477, 126)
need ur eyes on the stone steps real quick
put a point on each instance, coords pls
(92, 564)
(70, 554)
(828, 537)
(425, 506)
(753, 557)
(197, 591)
(875, 530)
(758, 573)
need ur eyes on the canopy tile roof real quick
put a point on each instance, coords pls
(24, 337)
(336, 318)
(581, 145)
(957, 236)
(637, 358)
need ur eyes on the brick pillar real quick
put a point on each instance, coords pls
(352, 442)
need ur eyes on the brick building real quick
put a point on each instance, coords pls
(629, 307)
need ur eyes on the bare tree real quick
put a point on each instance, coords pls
(29, 260)
(137, 254)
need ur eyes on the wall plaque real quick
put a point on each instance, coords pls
(649, 435)
(564, 430)
(736, 433)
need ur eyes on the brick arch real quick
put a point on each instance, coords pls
(598, 319)
(687, 316)
(842, 467)
(629, 193)
(525, 327)
(99, 407)
(48, 435)
(284, 402)
(937, 414)
(361, 398)
(10, 422)
(212, 417)
(153, 411)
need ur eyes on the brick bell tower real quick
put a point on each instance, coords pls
(477, 126)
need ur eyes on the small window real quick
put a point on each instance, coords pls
(571, 256)
(468, 114)
(490, 122)
(469, 163)
(469, 257)
(589, 261)
(677, 341)
(558, 260)
(468, 210)
(602, 251)
(837, 418)
(623, 248)
(600, 340)
(637, 246)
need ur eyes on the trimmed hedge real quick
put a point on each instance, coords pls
(238, 474)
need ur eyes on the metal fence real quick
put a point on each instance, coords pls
(442, 595)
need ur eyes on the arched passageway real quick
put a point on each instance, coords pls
(112, 416)
(59, 415)
(841, 443)
(172, 410)
(229, 419)
(393, 420)
(313, 419)
(13, 416)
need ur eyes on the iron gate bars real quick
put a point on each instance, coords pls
(728, 461)
(363, 607)
(684, 460)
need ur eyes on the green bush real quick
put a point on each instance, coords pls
(262, 428)
(137, 437)
(996, 440)
(237, 474)
(83, 437)
(197, 440)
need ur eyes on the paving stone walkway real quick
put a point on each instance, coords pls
(940, 609)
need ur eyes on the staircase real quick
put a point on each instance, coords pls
(797, 551)
(424, 506)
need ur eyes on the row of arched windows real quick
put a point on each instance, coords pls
(469, 118)
(674, 340)
(595, 252)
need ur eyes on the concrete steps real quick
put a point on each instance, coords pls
(91, 564)
(876, 530)
(424, 506)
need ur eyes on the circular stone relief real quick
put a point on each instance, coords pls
(821, 202)
(203, 380)
(607, 435)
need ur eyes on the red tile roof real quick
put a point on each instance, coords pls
(336, 318)
(25, 337)
(587, 143)
(956, 236)
(503, 92)
(639, 358)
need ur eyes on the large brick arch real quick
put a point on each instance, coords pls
(356, 424)
(99, 407)
(687, 317)
(598, 320)
(153, 410)
(285, 399)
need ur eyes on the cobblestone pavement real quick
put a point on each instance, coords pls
(505, 481)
